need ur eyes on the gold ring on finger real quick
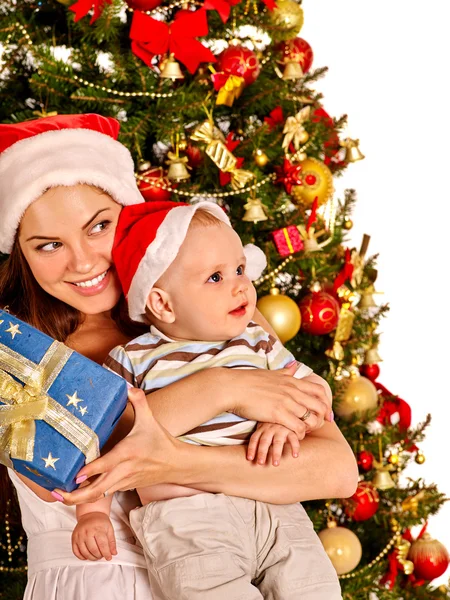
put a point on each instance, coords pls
(105, 493)
(306, 415)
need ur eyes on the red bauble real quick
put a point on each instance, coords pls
(365, 460)
(239, 61)
(364, 502)
(298, 51)
(150, 191)
(320, 313)
(370, 371)
(429, 556)
(143, 5)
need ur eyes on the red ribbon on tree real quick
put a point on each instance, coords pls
(345, 273)
(223, 7)
(225, 177)
(151, 38)
(313, 216)
(275, 118)
(288, 175)
(82, 7)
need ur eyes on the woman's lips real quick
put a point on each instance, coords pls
(93, 290)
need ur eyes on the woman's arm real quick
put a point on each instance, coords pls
(325, 467)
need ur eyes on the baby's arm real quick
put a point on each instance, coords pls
(93, 537)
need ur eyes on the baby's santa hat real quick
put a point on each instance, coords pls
(62, 150)
(148, 239)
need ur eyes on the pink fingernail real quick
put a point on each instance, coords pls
(293, 362)
(295, 455)
(276, 463)
(57, 496)
(81, 479)
(331, 416)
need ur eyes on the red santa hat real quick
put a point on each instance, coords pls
(62, 150)
(148, 238)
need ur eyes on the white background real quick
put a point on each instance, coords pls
(388, 70)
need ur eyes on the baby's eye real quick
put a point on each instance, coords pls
(49, 247)
(215, 278)
(240, 270)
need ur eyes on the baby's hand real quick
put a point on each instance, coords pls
(93, 537)
(274, 436)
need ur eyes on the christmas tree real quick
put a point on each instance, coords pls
(216, 101)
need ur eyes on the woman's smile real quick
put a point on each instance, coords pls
(91, 287)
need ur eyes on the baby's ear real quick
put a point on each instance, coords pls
(160, 305)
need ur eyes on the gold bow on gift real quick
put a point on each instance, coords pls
(294, 130)
(23, 405)
(217, 151)
(231, 90)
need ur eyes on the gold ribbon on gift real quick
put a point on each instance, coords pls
(217, 151)
(294, 130)
(23, 405)
(343, 332)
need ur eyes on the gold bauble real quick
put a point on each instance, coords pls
(419, 458)
(359, 395)
(342, 546)
(348, 224)
(261, 158)
(282, 313)
(288, 16)
(317, 182)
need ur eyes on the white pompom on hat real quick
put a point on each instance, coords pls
(62, 150)
(147, 241)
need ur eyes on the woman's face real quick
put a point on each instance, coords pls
(66, 237)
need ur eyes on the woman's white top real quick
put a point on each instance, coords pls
(54, 572)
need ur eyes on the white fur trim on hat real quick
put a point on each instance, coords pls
(161, 253)
(256, 261)
(64, 157)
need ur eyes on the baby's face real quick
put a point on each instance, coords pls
(213, 298)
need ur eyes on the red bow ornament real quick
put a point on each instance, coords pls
(82, 7)
(275, 118)
(288, 175)
(151, 38)
(223, 7)
(345, 273)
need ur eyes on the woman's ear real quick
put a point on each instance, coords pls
(160, 305)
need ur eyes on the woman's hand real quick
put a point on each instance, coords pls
(144, 457)
(277, 397)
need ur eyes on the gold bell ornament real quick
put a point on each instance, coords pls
(382, 479)
(292, 71)
(352, 151)
(372, 357)
(342, 546)
(170, 68)
(367, 299)
(359, 394)
(254, 210)
(282, 313)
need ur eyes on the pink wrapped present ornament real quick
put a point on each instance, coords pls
(287, 240)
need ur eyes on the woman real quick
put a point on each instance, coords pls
(63, 181)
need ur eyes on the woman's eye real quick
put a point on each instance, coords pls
(100, 226)
(50, 247)
(215, 278)
(240, 270)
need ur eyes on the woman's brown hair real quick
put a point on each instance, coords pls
(23, 297)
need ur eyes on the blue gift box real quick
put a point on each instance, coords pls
(57, 408)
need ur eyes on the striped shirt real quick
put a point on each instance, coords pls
(153, 360)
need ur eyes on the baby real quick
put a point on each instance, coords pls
(183, 270)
